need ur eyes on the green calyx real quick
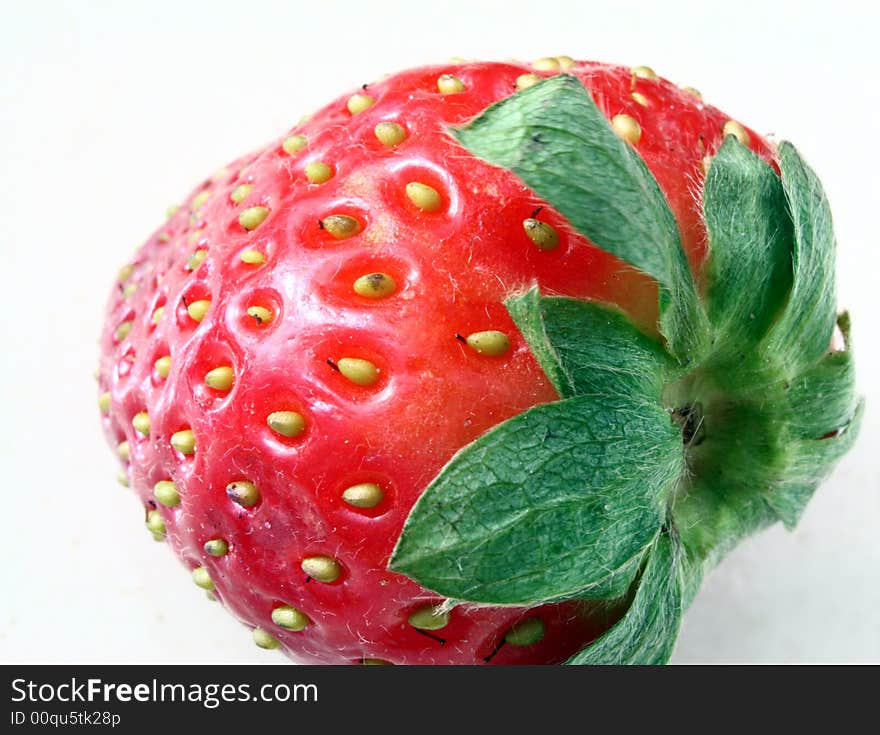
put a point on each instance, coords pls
(660, 456)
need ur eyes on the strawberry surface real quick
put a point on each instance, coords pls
(340, 398)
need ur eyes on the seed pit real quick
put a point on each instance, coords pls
(286, 423)
(125, 363)
(195, 259)
(351, 362)
(157, 311)
(328, 224)
(424, 190)
(340, 226)
(212, 375)
(424, 197)
(258, 311)
(193, 306)
(161, 363)
(367, 279)
(123, 328)
(141, 423)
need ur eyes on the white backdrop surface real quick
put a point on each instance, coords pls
(109, 111)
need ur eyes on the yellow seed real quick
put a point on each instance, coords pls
(171, 210)
(359, 372)
(640, 98)
(196, 259)
(123, 330)
(526, 632)
(164, 237)
(359, 102)
(253, 257)
(390, 133)
(220, 173)
(184, 441)
(155, 524)
(565, 62)
(253, 217)
(423, 196)
(375, 286)
(694, 92)
(124, 451)
(240, 192)
(126, 272)
(540, 233)
(141, 423)
(322, 568)
(122, 478)
(163, 366)
(166, 493)
(202, 579)
(294, 143)
(341, 226)
(290, 618)
(243, 492)
(157, 314)
(260, 314)
(220, 378)
(627, 128)
(490, 342)
(200, 199)
(318, 172)
(643, 72)
(216, 547)
(363, 495)
(429, 618)
(104, 403)
(194, 237)
(286, 423)
(264, 640)
(198, 309)
(129, 289)
(732, 127)
(524, 81)
(546, 63)
(450, 84)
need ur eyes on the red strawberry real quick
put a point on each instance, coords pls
(296, 353)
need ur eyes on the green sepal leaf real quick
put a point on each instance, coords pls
(549, 505)
(810, 461)
(587, 347)
(717, 511)
(748, 270)
(765, 455)
(823, 398)
(646, 634)
(555, 138)
(803, 332)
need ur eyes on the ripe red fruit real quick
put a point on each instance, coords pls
(295, 354)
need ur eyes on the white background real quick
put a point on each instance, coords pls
(111, 111)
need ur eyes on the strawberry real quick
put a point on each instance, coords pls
(356, 318)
